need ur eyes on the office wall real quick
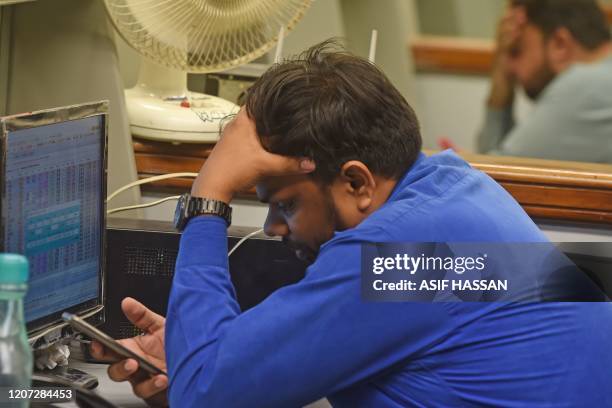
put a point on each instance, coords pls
(396, 22)
(61, 53)
(460, 18)
(453, 106)
(322, 21)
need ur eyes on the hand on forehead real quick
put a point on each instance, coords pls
(241, 136)
(518, 15)
(510, 28)
(239, 161)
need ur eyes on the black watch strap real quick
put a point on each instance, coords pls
(204, 206)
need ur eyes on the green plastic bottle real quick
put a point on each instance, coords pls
(15, 352)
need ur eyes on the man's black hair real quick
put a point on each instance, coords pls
(584, 19)
(332, 107)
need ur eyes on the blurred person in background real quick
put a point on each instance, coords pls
(559, 52)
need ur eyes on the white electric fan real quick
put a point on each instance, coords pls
(199, 36)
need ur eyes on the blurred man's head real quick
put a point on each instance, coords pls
(343, 113)
(557, 34)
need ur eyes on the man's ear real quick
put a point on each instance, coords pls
(562, 49)
(358, 181)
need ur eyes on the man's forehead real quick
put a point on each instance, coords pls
(532, 31)
(270, 187)
(529, 37)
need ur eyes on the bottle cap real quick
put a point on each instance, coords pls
(13, 269)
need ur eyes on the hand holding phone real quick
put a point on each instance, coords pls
(82, 326)
(150, 346)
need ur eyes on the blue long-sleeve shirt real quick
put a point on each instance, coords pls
(318, 338)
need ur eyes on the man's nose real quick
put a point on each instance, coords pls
(275, 225)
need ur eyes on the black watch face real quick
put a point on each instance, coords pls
(179, 212)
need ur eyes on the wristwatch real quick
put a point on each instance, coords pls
(188, 207)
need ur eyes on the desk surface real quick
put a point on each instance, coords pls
(119, 394)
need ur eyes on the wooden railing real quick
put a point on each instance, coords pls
(452, 55)
(552, 190)
(556, 190)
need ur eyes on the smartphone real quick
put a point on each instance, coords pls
(112, 344)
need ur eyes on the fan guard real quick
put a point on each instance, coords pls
(202, 36)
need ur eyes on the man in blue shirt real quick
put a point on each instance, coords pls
(334, 150)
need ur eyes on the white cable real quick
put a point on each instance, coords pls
(38, 335)
(148, 180)
(173, 175)
(242, 240)
(279, 45)
(373, 40)
(151, 204)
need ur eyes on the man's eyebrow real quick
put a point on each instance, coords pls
(270, 193)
